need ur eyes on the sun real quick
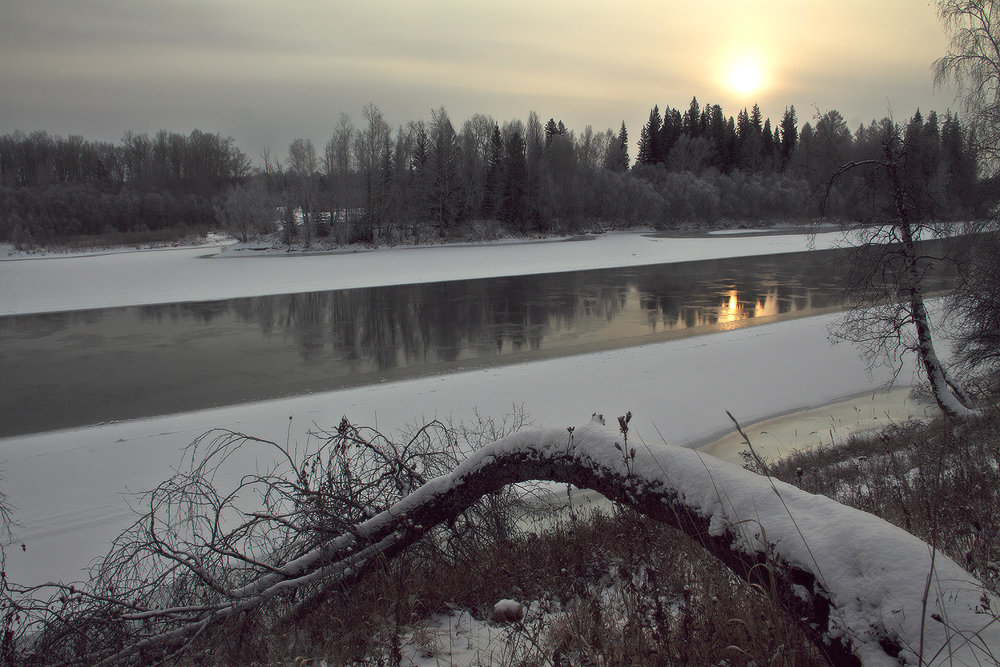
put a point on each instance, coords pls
(744, 76)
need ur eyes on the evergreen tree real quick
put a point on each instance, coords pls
(958, 157)
(832, 144)
(670, 132)
(445, 183)
(514, 203)
(789, 136)
(617, 158)
(649, 138)
(751, 141)
(492, 192)
(419, 167)
(767, 146)
(692, 119)
(716, 128)
(551, 129)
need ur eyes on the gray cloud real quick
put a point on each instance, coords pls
(267, 72)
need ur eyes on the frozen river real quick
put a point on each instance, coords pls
(68, 487)
(75, 368)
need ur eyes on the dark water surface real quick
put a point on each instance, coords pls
(74, 368)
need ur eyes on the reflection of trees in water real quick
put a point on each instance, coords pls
(201, 312)
(43, 324)
(371, 329)
(721, 292)
(379, 328)
(365, 330)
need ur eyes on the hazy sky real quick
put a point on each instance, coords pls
(268, 72)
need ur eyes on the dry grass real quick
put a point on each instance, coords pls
(622, 589)
(612, 589)
(939, 481)
(618, 588)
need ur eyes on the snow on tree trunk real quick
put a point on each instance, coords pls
(941, 387)
(867, 591)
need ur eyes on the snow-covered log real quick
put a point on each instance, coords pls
(869, 592)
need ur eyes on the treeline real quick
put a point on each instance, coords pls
(431, 179)
(375, 184)
(747, 168)
(55, 188)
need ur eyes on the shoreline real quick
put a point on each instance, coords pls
(228, 247)
(777, 436)
(84, 282)
(772, 437)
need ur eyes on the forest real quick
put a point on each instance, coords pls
(430, 180)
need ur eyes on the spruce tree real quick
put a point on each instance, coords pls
(492, 192)
(649, 138)
(550, 131)
(513, 204)
(789, 136)
(692, 119)
(617, 157)
(767, 145)
(959, 160)
(669, 134)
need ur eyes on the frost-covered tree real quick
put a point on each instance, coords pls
(269, 549)
(246, 211)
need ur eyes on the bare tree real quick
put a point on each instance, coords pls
(476, 140)
(247, 210)
(371, 147)
(302, 165)
(888, 315)
(973, 64)
(337, 166)
(270, 165)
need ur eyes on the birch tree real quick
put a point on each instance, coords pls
(302, 165)
(337, 159)
(973, 64)
(889, 315)
(371, 148)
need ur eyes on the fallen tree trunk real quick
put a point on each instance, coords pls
(866, 591)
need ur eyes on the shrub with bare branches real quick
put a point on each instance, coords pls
(207, 534)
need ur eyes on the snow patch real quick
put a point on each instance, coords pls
(128, 278)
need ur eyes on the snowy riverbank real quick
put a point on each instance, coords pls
(67, 486)
(77, 282)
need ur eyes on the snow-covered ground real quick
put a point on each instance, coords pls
(67, 486)
(808, 429)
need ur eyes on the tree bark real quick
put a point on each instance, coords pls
(948, 397)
